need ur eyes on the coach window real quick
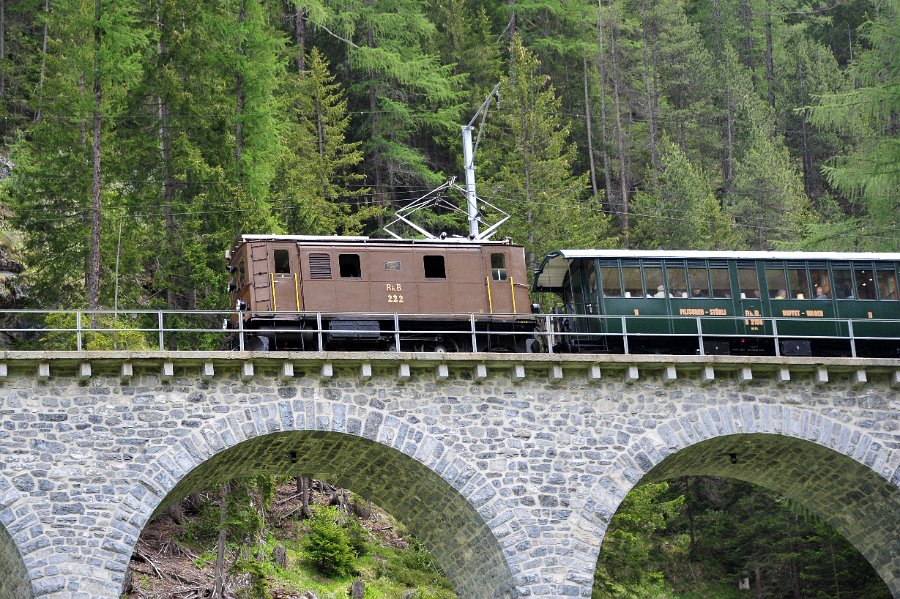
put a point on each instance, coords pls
(865, 281)
(631, 277)
(653, 278)
(498, 267)
(776, 281)
(721, 283)
(798, 282)
(843, 282)
(818, 278)
(699, 287)
(349, 264)
(434, 267)
(676, 276)
(282, 262)
(609, 275)
(887, 284)
(748, 282)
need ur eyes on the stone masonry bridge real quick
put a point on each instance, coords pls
(508, 467)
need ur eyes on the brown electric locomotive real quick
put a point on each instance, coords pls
(311, 292)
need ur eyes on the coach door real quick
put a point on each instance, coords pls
(750, 301)
(284, 278)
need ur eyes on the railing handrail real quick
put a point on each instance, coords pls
(466, 325)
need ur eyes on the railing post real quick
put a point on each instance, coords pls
(852, 338)
(240, 331)
(551, 340)
(162, 341)
(700, 337)
(319, 328)
(624, 336)
(474, 336)
(396, 331)
(78, 330)
(775, 338)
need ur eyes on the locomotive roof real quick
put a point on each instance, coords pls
(363, 240)
(553, 268)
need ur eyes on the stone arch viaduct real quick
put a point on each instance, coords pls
(508, 467)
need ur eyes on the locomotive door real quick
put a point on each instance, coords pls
(505, 295)
(284, 279)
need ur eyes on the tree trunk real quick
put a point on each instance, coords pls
(279, 556)
(2, 48)
(589, 126)
(607, 177)
(376, 151)
(300, 16)
(758, 581)
(620, 135)
(239, 99)
(304, 488)
(745, 16)
(168, 184)
(651, 118)
(770, 61)
(513, 24)
(219, 576)
(93, 278)
(43, 69)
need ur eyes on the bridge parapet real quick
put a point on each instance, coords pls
(508, 465)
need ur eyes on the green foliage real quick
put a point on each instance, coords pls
(107, 332)
(326, 546)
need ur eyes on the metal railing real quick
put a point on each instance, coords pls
(205, 330)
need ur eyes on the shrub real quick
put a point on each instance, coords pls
(327, 546)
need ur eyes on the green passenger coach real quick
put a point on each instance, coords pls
(775, 303)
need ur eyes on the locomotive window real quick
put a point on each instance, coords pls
(653, 277)
(865, 283)
(887, 284)
(843, 282)
(721, 285)
(498, 267)
(350, 268)
(612, 287)
(677, 279)
(818, 277)
(748, 282)
(631, 275)
(282, 262)
(699, 282)
(798, 283)
(776, 282)
(434, 267)
(242, 274)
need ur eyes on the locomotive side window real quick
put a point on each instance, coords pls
(887, 284)
(865, 282)
(677, 278)
(434, 267)
(609, 275)
(776, 282)
(721, 284)
(282, 262)
(498, 267)
(818, 276)
(843, 282)
(349, 265)
(798, 283)
(631, 275)
(653, 277)
(749, 282)
(699, 282)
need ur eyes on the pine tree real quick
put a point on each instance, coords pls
(680, 211)
(528, 157)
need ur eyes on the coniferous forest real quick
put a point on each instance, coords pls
(139, 137)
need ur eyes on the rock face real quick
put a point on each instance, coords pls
(508, 468)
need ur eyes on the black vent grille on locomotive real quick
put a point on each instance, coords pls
(319, 266)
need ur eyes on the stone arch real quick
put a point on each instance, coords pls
(438, 494)
(20, 532)
(829, 466)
